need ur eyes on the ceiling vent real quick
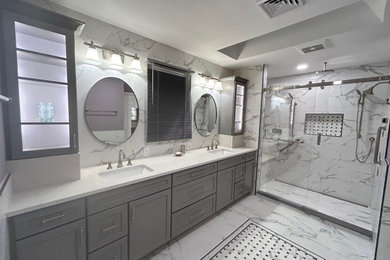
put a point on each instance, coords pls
(277, 7)
(314, 46)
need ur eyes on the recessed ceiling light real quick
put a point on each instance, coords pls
(302, 66)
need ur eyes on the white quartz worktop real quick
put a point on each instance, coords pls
(91, 182)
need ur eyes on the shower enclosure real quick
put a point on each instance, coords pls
(321, 147)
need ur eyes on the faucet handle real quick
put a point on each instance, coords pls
(129, 161)
(208, 148)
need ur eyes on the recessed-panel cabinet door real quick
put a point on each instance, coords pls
(249, 176)
(150, 223)
(225, 187)
(64, 243)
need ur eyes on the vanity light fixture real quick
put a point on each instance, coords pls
(116, 58)
(92, 53)
(209, 82)
(135, 65)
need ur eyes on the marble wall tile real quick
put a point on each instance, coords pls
(93, 152)
(253, 102)
(330, 168)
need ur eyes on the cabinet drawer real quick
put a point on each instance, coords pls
(107, 226)
(192, 215)
(44, 219)
(239, 190)
(112, 198)
(240, 173)
(66, 242)
(227, 163)
(193, 174)
(190, 192)
(250, 156)
(115, 251)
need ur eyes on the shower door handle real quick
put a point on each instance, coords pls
(377, 144)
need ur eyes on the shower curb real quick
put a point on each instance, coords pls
(318, 214)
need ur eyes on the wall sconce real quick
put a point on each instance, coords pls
(209, 82)
(116, 58)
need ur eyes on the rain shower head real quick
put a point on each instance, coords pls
(369, 94)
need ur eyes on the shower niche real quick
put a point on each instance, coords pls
(324, 124)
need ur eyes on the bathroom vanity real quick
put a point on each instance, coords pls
(128, 217)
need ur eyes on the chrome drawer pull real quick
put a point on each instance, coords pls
(46, 220)
(198, 215)
(109, 228)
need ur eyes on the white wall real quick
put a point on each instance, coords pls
(93, 152)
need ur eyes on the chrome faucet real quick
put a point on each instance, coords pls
(120, 158)
(216, 144)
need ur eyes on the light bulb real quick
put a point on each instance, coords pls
(202, 81)
(92, 54)
(211, 83)
(116, 59)
(135, 66)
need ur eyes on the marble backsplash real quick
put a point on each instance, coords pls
(93, 152)
(331, 167)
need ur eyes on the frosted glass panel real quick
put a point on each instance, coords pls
(239, 114)
(240, 100)
(240, 90)
(41, 67)
(237, 128)
(40, 137)
(43, 102)
(39, 40)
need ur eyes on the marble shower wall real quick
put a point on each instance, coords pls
(93, 152)
(253, 103)
(330, 168)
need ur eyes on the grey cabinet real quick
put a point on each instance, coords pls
(190, 192)
(67, 242)
(47, 218)
(150, 223)
(188, 217)
(107, 226)
(249, 176)
(38, 68)
(233, 99)
(225, 188)
(114, 251)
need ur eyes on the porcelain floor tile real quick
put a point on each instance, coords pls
(326, 239)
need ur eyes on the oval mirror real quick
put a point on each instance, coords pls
(111, 111)
(205, 114)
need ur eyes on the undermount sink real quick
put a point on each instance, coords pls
(221, 151)
(125, 172)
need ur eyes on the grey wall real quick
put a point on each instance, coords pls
(4, 241)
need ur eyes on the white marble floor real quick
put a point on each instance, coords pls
(324, 238)
(345, 211)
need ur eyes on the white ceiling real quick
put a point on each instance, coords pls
(359, 30)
